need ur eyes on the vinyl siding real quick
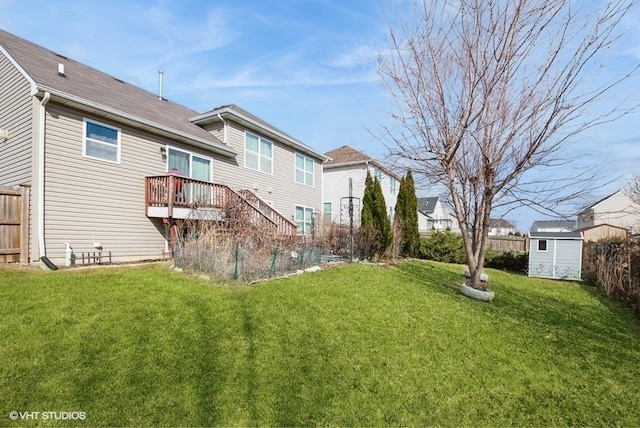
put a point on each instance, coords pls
(16, 116)
(617, 210)
(568, 259)
(541, 262)
(88, 200)
(566, 253)
(279, 187)
(604, 231)
(336, 185)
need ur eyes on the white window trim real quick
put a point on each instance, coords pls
(324, 213)
(393, 186)
(379, 174)
(260, 139)
(191, 155)
(295, 170)
(84, 140)
(538, 246)
(305, 208)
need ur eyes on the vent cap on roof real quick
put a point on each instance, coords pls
(61, 69)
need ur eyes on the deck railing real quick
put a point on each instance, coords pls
(173, 191)
(285, 226)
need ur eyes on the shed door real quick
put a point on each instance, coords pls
(568, 254)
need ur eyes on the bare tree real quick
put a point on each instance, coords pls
(633, 191)
(490, 92)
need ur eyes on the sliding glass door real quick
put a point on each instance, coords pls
(193, 166)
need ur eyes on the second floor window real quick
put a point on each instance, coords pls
(377, 174)
(304, 170)
(101, 141)
(393, 185)
(258, 153)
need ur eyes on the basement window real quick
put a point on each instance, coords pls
(304, 219)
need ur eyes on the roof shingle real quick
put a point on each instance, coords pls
(346, 155)
(88, 84)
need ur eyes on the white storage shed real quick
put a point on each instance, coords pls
(555, 255)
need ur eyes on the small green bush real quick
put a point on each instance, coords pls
(444, 247)
(448, 247)
(508, 261)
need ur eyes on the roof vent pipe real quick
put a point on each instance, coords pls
(160, 74)
(61, 69)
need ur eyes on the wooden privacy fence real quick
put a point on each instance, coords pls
(515, 244)
(14, 224)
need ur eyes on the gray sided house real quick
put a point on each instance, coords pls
(110, 163)
(555, 255)
(348, 164)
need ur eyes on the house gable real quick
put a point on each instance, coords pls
(16, 113)
(93, 91)
(277, 184)
(616, 209)
(88, 195)
(347, 164)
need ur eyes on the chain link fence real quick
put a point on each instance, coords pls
(242, 259)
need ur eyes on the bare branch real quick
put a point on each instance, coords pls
(490, 93)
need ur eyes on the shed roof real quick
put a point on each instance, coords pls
(554, 224)
(86, 86)
(556, 235)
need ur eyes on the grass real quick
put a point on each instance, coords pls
(352, 346)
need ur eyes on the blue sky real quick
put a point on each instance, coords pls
(306, 66)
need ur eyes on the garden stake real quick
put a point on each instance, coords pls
(235, 272)
(273, 261)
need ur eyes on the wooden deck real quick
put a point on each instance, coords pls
(174, 197)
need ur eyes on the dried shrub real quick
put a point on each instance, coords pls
(231, 244)
(614, 266)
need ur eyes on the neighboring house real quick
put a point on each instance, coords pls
(603, 232)
(348, 165)
(616, 209)
(96, 152)
(555, 250)
(554, 226)
(500, 227)
(432, 215)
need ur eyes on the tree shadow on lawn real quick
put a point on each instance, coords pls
(166, 367)
(294, 389)
(591, 325)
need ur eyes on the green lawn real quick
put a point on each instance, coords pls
(351, 346)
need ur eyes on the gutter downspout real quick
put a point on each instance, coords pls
(224, 124)
(41, 127)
